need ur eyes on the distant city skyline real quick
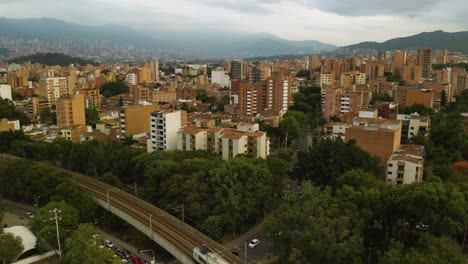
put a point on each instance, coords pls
(332, 21)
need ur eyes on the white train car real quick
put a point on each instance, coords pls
(204, 255)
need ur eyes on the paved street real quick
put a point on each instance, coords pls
(259, 252)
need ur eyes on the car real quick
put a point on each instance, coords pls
(136, 260)
(254, 243)
(108, 243)
(30, 215)
(125, 253)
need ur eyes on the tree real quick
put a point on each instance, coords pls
(91, 116)
(330, 158)
(317, 228)
(121, 101)
(10, 247)
(46, 228)
(8, 111)
(1, 212)
(83, 247)
(443, 98)
(417, 108)
(47, 116)
(114, 88)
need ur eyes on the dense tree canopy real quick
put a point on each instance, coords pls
(328, 159)
(10, 247)
(91, 116)
(114, 88)
(44, 226)
(8, 111)
(84, 247)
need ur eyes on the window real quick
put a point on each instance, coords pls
(401, 167)
(389, 172)
(390, 164)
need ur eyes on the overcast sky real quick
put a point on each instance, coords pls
(339, 22)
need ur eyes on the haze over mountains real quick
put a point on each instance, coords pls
(208, 43)
(457, 41)
(203, 43)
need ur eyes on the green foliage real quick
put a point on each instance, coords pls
(8, 111)
(84, 247)
(7, 139)
(329, 159)
(303, 73)
(16, 96)
(219, 195)
(47, 116)
(10, 247)
(318, 228)
(380, 97)
(391, 77)
(45, 228)
(204, 97)
(51, 59)
(114, 88)
(2, 211)
(417, 108)
(463, 65)
(33, 179)
(92, 116)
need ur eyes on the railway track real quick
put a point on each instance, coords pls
(182, 236)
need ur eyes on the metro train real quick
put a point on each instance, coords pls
(204, 255)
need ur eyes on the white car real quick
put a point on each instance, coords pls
(254, 243)
(108, 243)
(30, 215)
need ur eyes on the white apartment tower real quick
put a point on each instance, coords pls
(164, 127)
(5, 91)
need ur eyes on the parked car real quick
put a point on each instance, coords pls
(30, 215)
(136, 260)
(254, 243)
(108, 243)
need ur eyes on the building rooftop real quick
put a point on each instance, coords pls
(192, 130)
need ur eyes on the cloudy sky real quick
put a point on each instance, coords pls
(339, 22)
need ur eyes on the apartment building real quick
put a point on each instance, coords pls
(5, 92)
(405, 165)
(399, 60)
(7, 125)
(411, 74)
(237, 70)
(413, 125)
(226, 142)
(221, 78)
(339, 104)
(380, 137)
(135, 119)
(71, 111)
(406, 96)
(165, 125)
(425, 61)
(53, 88)
(335, 130)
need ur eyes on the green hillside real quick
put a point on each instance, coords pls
(52, 59)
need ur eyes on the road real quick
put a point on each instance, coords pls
(15, 214)
(258, 253)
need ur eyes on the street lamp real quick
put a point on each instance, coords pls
(56, 218)
(37, 203)
(148, 250)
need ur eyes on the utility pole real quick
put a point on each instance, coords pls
(181, 209)
(56, 218)
(245, 252)
(37, 203)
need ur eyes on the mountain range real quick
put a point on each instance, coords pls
(457, 41)
(203, 42)
(206, 43)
